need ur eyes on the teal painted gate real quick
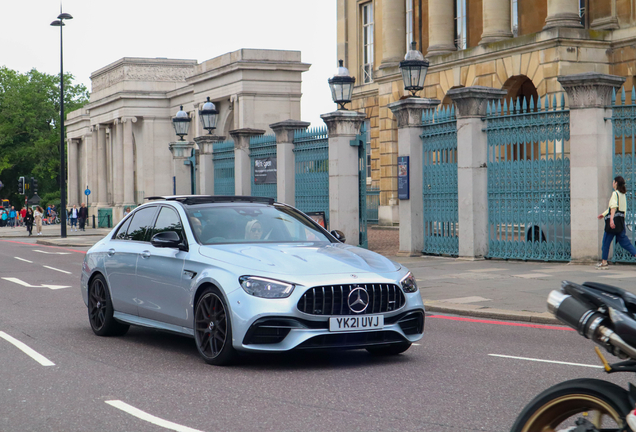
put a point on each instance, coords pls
(362, 185)
(529, 180)
(223, 158)
(263, 146)
(439, 147)
(373, 202)
(311, 152)
(624, 163)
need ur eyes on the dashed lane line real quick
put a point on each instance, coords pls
(27, 350)
(51, 253)
(546, 361)
(149, 417)
(22, 259)
(56, 269)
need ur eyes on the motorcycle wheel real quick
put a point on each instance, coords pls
(600, 402)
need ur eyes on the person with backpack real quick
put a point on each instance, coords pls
(614, 218)
(28, 221)
(12, 217)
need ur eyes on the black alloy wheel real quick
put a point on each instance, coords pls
(213, 329)
(389, 350)
(100, 310)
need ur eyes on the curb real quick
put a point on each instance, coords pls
(482, 312)
(66, 243)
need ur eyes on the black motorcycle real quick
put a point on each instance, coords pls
(606, 315)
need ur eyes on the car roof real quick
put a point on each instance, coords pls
(207, 199)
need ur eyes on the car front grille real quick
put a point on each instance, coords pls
(352, 340)
(333, 299)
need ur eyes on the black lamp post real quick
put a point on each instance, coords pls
(414, 68)
(208, 115)
(181, 123)
(59, 22)
(341, 85)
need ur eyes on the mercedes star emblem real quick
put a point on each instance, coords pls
(358, 300)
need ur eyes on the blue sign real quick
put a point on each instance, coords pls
(87, 192)
(403, 178)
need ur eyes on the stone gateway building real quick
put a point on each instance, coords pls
(520, 46)
(118, 144)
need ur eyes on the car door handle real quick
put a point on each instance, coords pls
(145, 254)
(111, 252)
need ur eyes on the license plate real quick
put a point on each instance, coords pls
(356, 323)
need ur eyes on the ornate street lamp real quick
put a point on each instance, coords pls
(414, 68)
(181, 123)
(208, 115)
(59, 22)
(341, 85)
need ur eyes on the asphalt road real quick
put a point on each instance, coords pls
(449, 382)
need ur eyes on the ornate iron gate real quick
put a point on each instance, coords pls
(624, 163)
(362, 185)
(261, 147)
(439, 147)
(311, 151)
(223, 157)
(529, 180)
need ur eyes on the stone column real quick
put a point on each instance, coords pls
(102, 180)
(242, 162)
(441, 27)
(93, 180)
(408, 113)
(73, 171)
(118, 164)
(286, 160)
(206, 164)
(563, 13)
(496, 21)
(344, 187)
(472, 174)
(393, 33)
(128, 157)
(181, 150)
(590, 158)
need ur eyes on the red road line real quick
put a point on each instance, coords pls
(506, 323)
(39, 245)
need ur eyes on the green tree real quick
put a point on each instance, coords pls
(30, 128)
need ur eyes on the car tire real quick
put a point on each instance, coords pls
(213, 328)
(100, 310)
(389, 350)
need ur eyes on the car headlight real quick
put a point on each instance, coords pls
(265, 288)
(408, 283)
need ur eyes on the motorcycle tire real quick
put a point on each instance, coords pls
(566, 399)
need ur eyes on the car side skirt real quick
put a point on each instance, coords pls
(145, 322)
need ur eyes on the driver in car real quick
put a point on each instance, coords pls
(253, 230)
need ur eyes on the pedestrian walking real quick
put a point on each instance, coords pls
(37, 215)
(23, 212)
(82, 215)
(126, 211)
(72, 215)
(12, 216)
(28, 221)
(3, 216)
(614, 218)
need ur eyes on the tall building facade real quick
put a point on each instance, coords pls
(521, 46)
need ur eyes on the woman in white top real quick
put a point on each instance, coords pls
(616, 209)
(37, 215)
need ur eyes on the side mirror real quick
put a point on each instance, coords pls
(339, 235)
(166, 239)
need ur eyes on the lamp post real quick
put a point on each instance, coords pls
(414, 68)
(59, 22)
(341, 85)
(208, 115)
(181, 123)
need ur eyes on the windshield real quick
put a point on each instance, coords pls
(251, 223)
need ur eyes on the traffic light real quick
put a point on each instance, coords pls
(21, 186)
(34, 184)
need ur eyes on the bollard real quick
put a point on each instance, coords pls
(93, 221)
(108, 219)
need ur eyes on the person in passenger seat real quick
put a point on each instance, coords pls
(253, 230)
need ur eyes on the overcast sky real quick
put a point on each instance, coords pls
(106, 30)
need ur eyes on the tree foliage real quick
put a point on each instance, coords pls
(30, 128)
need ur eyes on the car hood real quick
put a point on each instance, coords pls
(301, 258)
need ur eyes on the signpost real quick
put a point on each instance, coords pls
(87, 192)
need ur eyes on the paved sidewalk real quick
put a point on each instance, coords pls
(51, 235)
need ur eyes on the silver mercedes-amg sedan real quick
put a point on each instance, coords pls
(247, 274)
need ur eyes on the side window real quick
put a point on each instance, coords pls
(121, 232)
(140, 224)
(168, 220)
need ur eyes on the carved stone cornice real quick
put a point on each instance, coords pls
(132, 119)
(285, 129)
(242, 137)
(206, 143)
(141, 72)
(473, 101)
(590, 89)
(408, 112)
(181, 149)
(343, 123)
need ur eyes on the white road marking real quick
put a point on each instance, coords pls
(22, 259)
(56, 269)
(21, 282)
(149, 417)
(52, 253)
(532, 275)
(471, 299)
(547, 361)
(27, 350)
